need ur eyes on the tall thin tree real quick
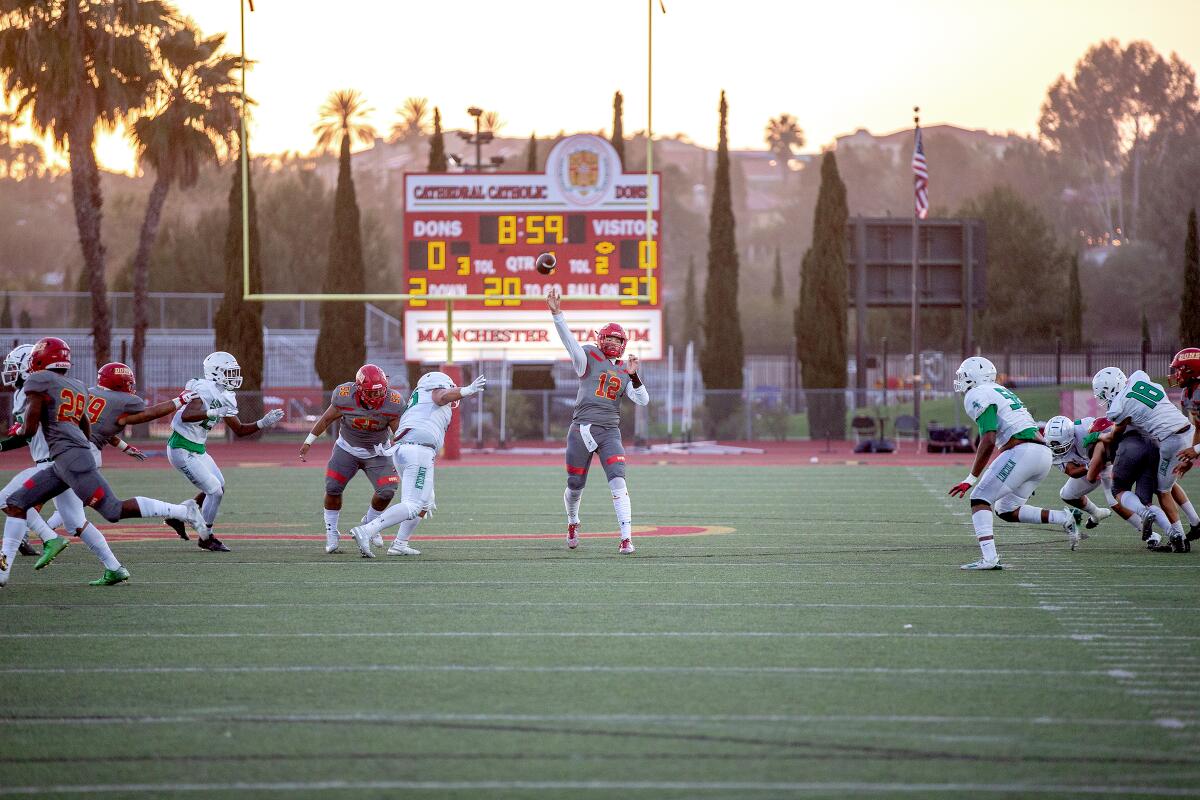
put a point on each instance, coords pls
(79, 65)
(1073, 319)
(531, 154)
(437, 146)
(722, 354)
(777, 285)
(193, 111)
(341, 345)
(1189, 317)
(618, 129)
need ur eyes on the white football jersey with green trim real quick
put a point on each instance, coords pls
(220, 403)
(424, 421)
(1144, 403)
(1011, 415)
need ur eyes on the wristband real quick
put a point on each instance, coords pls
(970, 480)
(308, 440)
(123, 445)
(177, 402)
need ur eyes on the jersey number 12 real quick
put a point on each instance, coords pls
(610, 386)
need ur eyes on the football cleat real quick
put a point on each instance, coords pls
(195, 517)
(1180, 543)
(331, 541)
(1100, 515)
(1153, 541)
(983, 563)
(177, 526)
(111, 577)
(572, 535)
(5, 567)
(50, 551)
(1193, 533)
(377, 540)
(27, 549)
(626, 547)
(212, 543)
(402, 549)
(1071, 527)
(1147, 526)
(363, 539)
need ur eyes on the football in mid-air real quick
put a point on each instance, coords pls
(546, 262)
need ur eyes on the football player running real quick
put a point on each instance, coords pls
(595, 425)
(1138, 402)
(57, 405)
(214, 402)
(1022, 461)
(1068, 442)
(369, 411)
(1134, 467)
(1185, 373)
(14, 373)
(421, 433)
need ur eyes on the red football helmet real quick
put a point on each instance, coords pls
(370, 386)
(1100, 425)
(50, 353)
(1185, 367)
(116, 376)
(609, 348)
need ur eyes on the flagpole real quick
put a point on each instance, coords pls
(918, 380)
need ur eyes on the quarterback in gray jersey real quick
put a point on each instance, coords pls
(369, 411)
(604, 378)
(57, 405)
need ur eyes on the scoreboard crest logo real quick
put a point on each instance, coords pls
(583, 167)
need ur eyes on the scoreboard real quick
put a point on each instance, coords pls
(479, 234)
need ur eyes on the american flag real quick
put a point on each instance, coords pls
(920, 178)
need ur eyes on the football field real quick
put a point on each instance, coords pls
(780, 632)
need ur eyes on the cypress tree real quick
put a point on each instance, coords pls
(437, 146)
(1073, 323)
(1145, 332)
(822, 317)
(777, 286)
(6, 320)
(24, 321)
(531, 157)
(721, 355)
(341, 345)
(691, 325)
(1189, 317)
(238, 323)
(618, 134)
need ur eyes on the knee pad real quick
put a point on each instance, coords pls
(618, 487)
(109, 508)
(1063, 494)
(614, 468)
(386, 493)
(576, 480)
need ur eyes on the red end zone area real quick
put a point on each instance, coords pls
(273, 455)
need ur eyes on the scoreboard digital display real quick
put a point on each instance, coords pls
(480, 233)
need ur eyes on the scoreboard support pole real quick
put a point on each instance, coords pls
(453, 445)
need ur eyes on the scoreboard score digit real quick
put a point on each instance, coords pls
(480, 234)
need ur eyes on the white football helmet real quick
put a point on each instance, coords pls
(1060, 435)
(1108, 383)
(973, 372)
(434, 380)
(16, 365)
(223, 369)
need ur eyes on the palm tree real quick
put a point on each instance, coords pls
(344, 115)
(194, 109)
(76, 65)
(784, 138)
(491, 121)
(413, 122)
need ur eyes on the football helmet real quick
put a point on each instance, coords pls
(1108, 383)
(370, 386)
(975, 371)
(16, 365)
(1060, 435)
(609, 348)
(223, 369)
(50, 353)
(434, 380)
(116, 376)
(1185, 367)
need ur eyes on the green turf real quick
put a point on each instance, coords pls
(775, 661)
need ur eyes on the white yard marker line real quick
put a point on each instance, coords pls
(1025, 789)
(1064, 637)
(530, 604)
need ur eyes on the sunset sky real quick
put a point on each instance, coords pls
(550, 65)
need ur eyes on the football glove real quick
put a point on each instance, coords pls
(271, 419)
(476, 386)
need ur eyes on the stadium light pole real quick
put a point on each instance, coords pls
(649, 243)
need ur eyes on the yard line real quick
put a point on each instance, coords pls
(534, 604)
(608, 786)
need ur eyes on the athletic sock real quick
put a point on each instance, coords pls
(38, 525)
(392, 515)
(623, 506)
(14, 534)
(55, 521)
(331, 520)
(571, 498)
(1133, 504)
(208, 509)
(372, 514)
(1160, 518)
(1089, 507)
(982, 520)
(1032, 515)
(1177, 528)
(1135, 522)
(1189, 511)
(149, 507)
(96, 542)
(406, 530)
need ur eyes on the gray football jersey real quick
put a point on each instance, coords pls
(600, 390)
(365, 427)
(104, 408)
(65, 402)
